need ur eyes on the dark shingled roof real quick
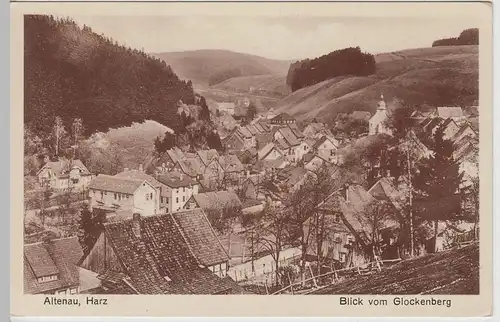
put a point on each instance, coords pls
(200, 237)
(62, 168)
(290, 138)
(58, 256)
(159, 261)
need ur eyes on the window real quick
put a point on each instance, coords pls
(151, 196)
(183, 198)
(102, 194)
(62, 292)
(177, 191)
(183, 189)
(147, 196)
(337, 217)
(48, 278)
(73, 291)
(177, 199)
(116, 196)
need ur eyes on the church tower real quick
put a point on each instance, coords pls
(377, 121)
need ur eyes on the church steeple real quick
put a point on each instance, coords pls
(381, 104)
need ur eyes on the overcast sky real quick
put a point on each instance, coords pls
(278, 38)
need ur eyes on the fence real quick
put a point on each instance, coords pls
(467, 237)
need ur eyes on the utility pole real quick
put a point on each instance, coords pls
(410, 190)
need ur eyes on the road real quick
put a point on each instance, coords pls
(212, 90)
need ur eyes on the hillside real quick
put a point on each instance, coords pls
(72, 72)
(200, 65)
(437, 76)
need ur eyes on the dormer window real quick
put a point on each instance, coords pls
(48, 278)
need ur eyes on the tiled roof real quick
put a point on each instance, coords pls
(265, 126)
(295, 130)
(115, 184)
(139, 175)
(290, 138)
(200, 237)
(61, 168)
(459, 135)
(263, 138)
(159, 261)
(191, 167)
(58, 256)
(259, 127)
(207, 156)
(282, 144)
(265, 151)
(252, 129)
(231, 163)
(245, 132)
(175, 179)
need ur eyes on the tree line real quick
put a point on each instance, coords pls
(344, 62)
(467, 37)
(72, 72)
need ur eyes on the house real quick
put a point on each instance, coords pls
(234, 141)
(270, 166)
(205, 157)
(316, 130)
(282, 119)
(313, 162)
(288, 143)
(248, 156)
(291, 178)
(250, 188)
(227, 107)
(112, 193)
(326, 148)
(179, 189)
(453, 112)
(352, 200)
(233, 169)
(164, 254)
(162, 194)
(247, 137)
(377, 123)
(269, 152)
(214, 200)
(252, 129)
(465, 131)
(50, 267)
(450, 128)
(262, 139)
(296, 131)
(430, 125)
(64, 174)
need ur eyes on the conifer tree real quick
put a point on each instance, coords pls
(437, 184)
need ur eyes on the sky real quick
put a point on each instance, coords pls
(285, 38)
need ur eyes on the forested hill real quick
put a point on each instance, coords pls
(73, 72)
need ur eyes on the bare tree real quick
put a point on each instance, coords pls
(271, 233)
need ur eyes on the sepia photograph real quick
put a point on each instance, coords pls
(251, 155)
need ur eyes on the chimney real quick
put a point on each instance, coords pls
(136, 225)
(140, 167)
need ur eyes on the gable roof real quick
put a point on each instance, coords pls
(160, 261)
(207, 156)
(139, 175)
(449, 111)
(175, 179)
(461, 131)
(259, 127)
(266, 150)
(58, 256)
(296, 131)
(191, 167)
(61, 168)
(200, 237)
(116, 184)
(265, 126)
(448, 122)
(288, 135)
(245, 132)
(322, 140)
(251, 129)
(383, 189)
(231, 163)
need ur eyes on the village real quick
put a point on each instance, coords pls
(288, 207)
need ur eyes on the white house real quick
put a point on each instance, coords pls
(180, 188)
(269, 152)
(326, 148)
(64, 174)
(377, 121)
(133, 195)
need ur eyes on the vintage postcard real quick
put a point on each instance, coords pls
(251, 159)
